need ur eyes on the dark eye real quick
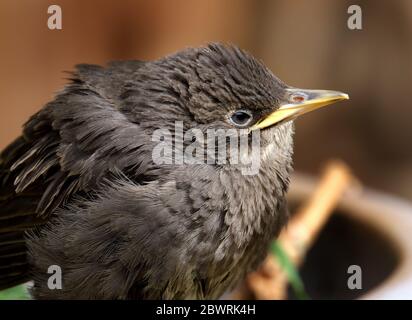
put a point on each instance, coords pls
(241, 118)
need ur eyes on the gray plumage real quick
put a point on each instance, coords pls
(79, 188)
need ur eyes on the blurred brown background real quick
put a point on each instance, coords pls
(305, 43)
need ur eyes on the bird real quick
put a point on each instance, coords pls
(81, 190)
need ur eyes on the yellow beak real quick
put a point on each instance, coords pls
(300, 101)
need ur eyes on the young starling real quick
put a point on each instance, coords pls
(80, 189)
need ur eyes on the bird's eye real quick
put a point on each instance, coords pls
(241, 118)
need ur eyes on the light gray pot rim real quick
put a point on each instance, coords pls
(386, 213)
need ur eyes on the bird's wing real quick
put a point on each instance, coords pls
(66, 148)
(137, 255)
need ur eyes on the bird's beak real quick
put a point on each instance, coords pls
(300, 101)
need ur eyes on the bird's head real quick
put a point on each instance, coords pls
(222, 87)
